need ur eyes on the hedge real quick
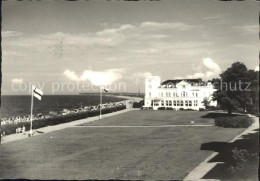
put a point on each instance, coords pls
(166, 108)
(138, 104)
(147, 108)
(202, 109)
(233, 122)
(11, 128)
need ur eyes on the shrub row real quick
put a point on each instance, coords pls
(171, 108)
(213, 108)
(233, 122)
(138, 104)
(146, 108)
(188, 109)
(166, 108)
(11, 128)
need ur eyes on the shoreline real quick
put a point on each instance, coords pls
(129, 98)
(25, 117)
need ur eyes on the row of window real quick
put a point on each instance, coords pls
(174, 94)
(178, 103)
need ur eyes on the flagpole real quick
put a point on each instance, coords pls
(31, 110)
(100, 102)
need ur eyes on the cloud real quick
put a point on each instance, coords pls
(17, 81)
(257, 68)
(142, 74)
(173, 26)
(248, 29)
(216, 16)
(110, 31)
(179, 77)
(213, 70)
(8, 34)
(12, 53)
(106, 77)
(214, 67)
(140, 38)
(71, 75)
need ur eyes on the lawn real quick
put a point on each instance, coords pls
(155, 118)
(115, 153)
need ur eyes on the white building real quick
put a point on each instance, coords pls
(186, 93)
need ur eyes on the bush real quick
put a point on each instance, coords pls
(254, 111)
(181, 109)
(11, 128)
(161, 108)
(213, 108)
(189, 109)
(169, 108)
(234, 122)
(202, 109)
(138, 104)
(147, 108)
(241, 158)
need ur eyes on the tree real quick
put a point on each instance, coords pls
(206, 102)
(235, 88)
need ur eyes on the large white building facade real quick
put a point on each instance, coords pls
(186, 93)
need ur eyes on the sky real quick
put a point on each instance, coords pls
(67, 47)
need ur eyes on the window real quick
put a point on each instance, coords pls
(178, 103)
(156, 103)
(181, 103)
(174, 103)
(195, 103)
(167, 103)
(196, 94)
(193, 94)
(186, 103)
(170, 103)
(184, 94)
(174, 94)
(190, 103)
(162, 103)
(169, 94)
(166, 94)
(150, 94)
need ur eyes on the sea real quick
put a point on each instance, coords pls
(21, 105)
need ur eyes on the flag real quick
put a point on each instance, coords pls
(105, 89)
(37, 92)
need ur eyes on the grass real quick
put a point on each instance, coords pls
(115, 153)
(154, 118)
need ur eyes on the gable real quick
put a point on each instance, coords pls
(183, 84)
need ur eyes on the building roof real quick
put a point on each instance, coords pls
(175, 81)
